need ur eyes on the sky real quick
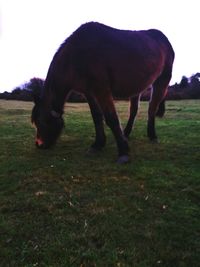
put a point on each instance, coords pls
(32, 30)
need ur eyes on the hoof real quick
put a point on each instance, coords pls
(123, 159)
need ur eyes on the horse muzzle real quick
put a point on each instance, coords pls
(40, 144)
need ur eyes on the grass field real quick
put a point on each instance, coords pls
(62, 208)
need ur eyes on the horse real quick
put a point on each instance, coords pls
(102, 63)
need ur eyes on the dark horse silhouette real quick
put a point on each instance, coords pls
(102, 62)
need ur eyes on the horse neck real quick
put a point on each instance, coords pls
(55, 88)
(54, 98)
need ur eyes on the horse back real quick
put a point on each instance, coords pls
(101, 56)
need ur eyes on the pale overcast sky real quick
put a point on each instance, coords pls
(32, 30)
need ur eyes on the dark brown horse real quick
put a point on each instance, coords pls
(102, 62)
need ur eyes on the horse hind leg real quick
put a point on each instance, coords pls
(161, 109)
(156, 105)
(134, 103)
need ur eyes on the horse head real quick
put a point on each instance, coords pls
(48, 123)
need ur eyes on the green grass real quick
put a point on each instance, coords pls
(62, 208)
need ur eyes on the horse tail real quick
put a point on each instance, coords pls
(161, 109)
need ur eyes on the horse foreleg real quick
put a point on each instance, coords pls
(134, 103)
(111, 118)
(97, 115)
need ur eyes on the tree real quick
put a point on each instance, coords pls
(184, 82)
(16, 91)
(34, 86)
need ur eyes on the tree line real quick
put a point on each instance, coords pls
(188, 88)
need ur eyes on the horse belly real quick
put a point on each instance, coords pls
(132, 72)
(131, 82)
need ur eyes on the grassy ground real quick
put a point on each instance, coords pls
(62, 208)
